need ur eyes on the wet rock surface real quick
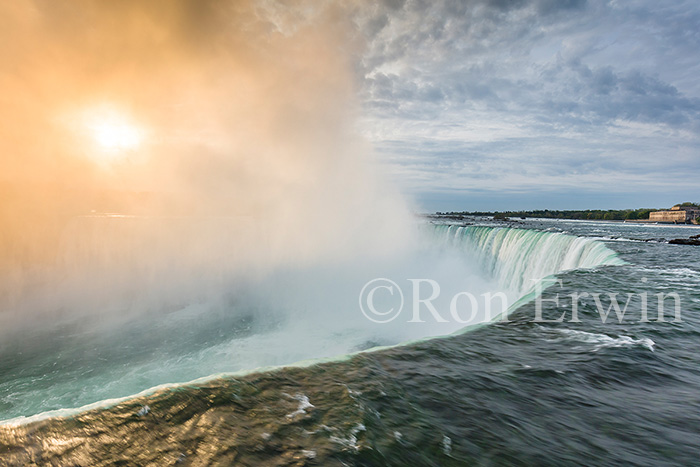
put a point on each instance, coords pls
(685, 241)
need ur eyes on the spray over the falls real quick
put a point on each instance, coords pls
(246, 158)
(291, 314)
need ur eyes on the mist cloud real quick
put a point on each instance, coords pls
(247, 111)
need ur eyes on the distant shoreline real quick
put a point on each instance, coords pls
(497, 216)
(641, 215)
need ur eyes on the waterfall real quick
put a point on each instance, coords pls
(146, 317)
(518, 258)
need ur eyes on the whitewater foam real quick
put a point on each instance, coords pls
(602, 341)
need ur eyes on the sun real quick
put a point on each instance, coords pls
(114, 132)
(116, 135)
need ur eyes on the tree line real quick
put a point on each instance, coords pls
(588, 214)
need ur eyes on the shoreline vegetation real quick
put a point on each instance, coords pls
(515, 218)
(588, 214)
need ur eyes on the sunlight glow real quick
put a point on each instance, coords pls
(114, 132)
(115, 136)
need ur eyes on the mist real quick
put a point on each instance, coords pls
(246, 114)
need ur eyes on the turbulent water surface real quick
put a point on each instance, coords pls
(543, 387)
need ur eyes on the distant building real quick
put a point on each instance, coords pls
(677, 215)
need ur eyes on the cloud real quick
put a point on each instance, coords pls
(534, 95)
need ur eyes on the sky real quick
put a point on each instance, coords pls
(295, 107)
(534, 104)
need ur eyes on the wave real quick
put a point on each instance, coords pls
(602, 341)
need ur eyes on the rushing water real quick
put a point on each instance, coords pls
(539, 388)
(284, 317)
